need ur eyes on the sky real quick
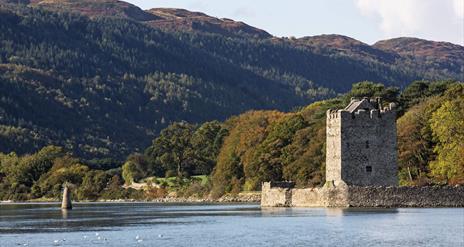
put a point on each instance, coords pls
(365, 20)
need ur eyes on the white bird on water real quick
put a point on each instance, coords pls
(137, 237)
(160, 235)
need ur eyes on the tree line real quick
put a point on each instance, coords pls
(248, 149)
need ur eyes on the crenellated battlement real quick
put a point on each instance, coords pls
(364, 109)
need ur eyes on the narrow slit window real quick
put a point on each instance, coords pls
(368, 168)
(367, 144)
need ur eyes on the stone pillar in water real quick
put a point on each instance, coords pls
(66, 203)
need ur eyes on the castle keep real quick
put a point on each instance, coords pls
(361, 166)
(361, 144)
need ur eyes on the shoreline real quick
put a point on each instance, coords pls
(250, 197)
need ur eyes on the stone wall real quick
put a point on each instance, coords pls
(276, 195)
(354, 196)
(327, 196)
(311, 197)
(430, 196)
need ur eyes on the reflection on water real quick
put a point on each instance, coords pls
(299, 212)
(150, 224)
(363, 211)
(64, 213)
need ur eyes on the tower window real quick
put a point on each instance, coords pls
(368, 168)
(367, 144)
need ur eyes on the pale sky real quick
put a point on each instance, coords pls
(365, 20)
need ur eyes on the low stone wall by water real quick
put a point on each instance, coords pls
(429, 196)
(276, 195)
(273, 195)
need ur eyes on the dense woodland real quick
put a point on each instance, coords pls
(104, 87)
(201, 106)
(245, 150)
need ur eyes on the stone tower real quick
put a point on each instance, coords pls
(361, 144)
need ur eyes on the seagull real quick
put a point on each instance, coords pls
(96, 234)
(160, 235)
(139, 241)
(137, 237)
(85, 236)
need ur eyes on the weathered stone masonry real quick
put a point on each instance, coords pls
(361, 168)
(361, 144)
(363, 196)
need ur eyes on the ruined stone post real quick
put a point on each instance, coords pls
(66, 203)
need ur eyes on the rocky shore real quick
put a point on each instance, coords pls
(245, 197)
(241, 197)
(248, 197)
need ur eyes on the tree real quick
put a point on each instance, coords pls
(418, 91)
(64, 170)
(135, 168)
(269, 158)
(371, 90)
(206, 142)
(415, 144)
(92, 185)
(173, 149)
(448, 128)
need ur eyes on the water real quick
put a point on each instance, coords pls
(145, 224)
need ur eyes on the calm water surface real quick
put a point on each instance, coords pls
(147, 224)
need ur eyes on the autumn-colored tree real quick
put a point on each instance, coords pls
(415, 144)
(246, 132)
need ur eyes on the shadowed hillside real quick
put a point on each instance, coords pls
(102, 78)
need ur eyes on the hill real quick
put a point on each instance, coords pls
(102, 78)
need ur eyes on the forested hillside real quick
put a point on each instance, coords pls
(103, 78)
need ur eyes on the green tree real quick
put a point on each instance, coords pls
(448, 128)
(206, 142)
(92, 185)
(418, 91)
(173, 149)
(135, 168)
(65, 169)
(372, 90)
